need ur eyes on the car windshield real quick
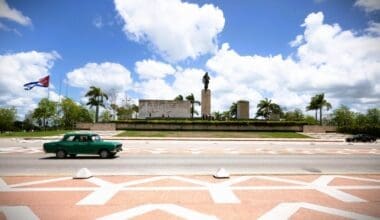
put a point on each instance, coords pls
(68, 138)
(96, 138)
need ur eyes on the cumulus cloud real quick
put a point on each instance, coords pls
(154, 85)
(19, 68)
(177, 30)
(341, 63)
(13, 14)
(368, 5)
(113, 78)
(148, 69)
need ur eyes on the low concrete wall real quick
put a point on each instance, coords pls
(96, 126)
(207, 127)
(318, 129)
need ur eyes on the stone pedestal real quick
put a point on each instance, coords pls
(206, 103)
(243, 109)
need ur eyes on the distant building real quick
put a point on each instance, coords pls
(164, 109)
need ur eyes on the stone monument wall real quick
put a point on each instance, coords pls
(206, 102)
(164, 109)
(242, 109)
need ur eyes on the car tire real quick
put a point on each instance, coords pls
(104, 154)
(60, 154)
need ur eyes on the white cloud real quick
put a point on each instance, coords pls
(13, 14)
(98, 22)
(186, 81)
(296, 42)
(368, 5)
(374, 28)
(177, 30)
(19, 68)
(148, 69)
(113, 78)
(339, 62)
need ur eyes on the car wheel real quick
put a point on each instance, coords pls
(104, 154)
(60, 154)
(73, 155)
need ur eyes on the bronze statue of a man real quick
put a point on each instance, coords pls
(206, 80)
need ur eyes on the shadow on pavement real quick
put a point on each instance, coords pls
(78, 158)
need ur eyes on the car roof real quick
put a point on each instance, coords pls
(80, 133)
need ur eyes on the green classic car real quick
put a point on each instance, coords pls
(82, 143)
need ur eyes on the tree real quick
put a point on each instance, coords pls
(295, 115)
(96, 96)
(218, 115)
(106, 116)
(267, 109)
(72, 113)
(321, 103)
(343, 117)
(7, 118)
(373, 116)
(313, 106)
(45, 111)
(233, 110)
(28, 121)
(178, 98)
(192, 101)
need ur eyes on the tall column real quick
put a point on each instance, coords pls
(242, 109)
(206, 102)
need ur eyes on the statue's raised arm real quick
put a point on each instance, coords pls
(206, 80)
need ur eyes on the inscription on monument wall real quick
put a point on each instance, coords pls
(164, 108)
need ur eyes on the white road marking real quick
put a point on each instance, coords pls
(284, 211)
(41, 181)
(223, 195)
(18, 212)
(169, 208)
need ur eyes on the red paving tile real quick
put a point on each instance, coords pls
(253, 202)
(302, 214)
(350, 182)
(157, 215)
(372, 195)
(2, 216)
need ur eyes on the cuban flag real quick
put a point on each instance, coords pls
(43, 82)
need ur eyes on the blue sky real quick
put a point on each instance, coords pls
(159, 49)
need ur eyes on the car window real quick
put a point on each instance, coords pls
(69, 138)
(83, 138)
(95, 138)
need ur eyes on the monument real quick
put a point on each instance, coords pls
(206, 97)
(164, 109)
(242, 109)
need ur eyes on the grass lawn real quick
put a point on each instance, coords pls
(212, 134)
(32, 134)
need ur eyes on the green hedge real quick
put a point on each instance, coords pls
(205, 122)
(372, 130)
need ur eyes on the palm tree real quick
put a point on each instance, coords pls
(313, 106)
(178, 98)
(233, 110)
(321, 102)
(135, 108)
(96, 96)
(192, 101)
(267, 109)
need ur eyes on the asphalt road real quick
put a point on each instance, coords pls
(40, 164)
(169, 163)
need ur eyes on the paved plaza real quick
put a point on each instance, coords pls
(191, 197)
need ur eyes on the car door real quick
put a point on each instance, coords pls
(82, 145)
(67, 144)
